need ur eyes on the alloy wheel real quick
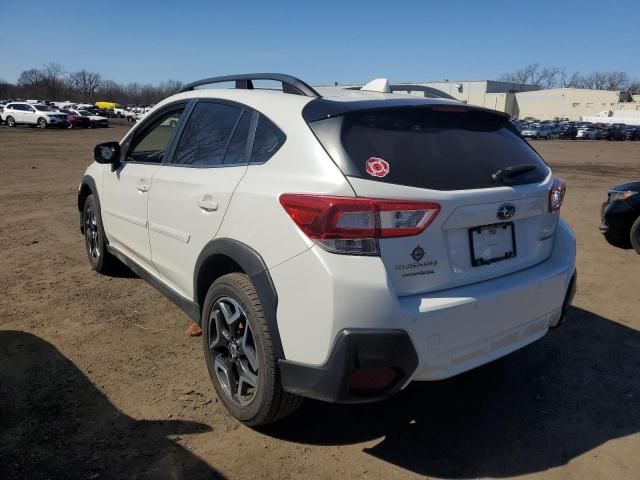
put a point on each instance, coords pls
(233, 351)
(91, 234)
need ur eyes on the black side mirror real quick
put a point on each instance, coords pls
(107, 153)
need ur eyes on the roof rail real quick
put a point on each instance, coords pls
(290, 84)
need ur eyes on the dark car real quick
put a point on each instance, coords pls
(77, 121)
(568, 132)
(621, 216)
(614, 132)
(631, 133)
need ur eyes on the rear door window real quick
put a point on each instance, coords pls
(436, 148)
(207, 134)
(237, 151)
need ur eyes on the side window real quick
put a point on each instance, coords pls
(206, 135)
(267, 141)
(237, 151)
(152, 146)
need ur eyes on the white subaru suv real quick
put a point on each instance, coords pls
(334, 246)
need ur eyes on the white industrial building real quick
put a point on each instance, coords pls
(529, 101)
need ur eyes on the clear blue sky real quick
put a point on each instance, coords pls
(321, 42)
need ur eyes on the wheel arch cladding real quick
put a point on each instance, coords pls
(225, 255)
(87, 187)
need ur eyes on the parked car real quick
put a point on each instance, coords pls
(536, 131)
(586, 133)
(621, 216)
(602, 132)
(39, 115)
(95, 121)
(322, 253)
(568, 132)
(76, 120)
(614, 132)
(631, 133)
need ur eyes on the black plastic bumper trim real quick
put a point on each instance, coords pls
(568, 298)
(353, 348)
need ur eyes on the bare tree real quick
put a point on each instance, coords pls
(85, 83)
(569, 80)
(634, 87)
(596, 81)
(616, 80)
(548, 77)
(53, 78)
(31, 81)
(529, 75)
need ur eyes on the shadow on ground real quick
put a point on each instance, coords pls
(533, 410)
(55, 424)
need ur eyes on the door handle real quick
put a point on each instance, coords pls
(142, 187)
(207, 204)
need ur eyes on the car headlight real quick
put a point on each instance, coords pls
(615, 195)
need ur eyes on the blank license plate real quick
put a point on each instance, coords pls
(492, 243)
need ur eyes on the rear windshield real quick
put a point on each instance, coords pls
(439, 149)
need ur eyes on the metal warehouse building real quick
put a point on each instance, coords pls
(571, 103)
(524, 101)
(486, 93)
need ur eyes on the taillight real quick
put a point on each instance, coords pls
(556, 195)
(353, 225)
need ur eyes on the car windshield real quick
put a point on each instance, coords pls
(43, 108)
(84, 112)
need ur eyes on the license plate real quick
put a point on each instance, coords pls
(492, 243)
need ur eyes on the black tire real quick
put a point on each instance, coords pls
(94, 238)
(634, 235)
(42, 123)
(267, 402)
(10, 121)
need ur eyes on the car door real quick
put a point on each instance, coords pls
(29, 115)
(126, 190)
(189, 197)
(18, 112)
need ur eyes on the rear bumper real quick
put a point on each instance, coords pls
(353, 349)
(449, 332)
(466, 327)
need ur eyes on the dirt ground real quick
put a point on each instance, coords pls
(98, 379)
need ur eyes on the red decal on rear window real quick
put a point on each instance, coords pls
(377, 167)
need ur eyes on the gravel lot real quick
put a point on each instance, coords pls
(98, 379)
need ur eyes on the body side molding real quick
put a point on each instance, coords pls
(191, 308)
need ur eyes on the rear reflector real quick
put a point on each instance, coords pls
(363, 379)
(353, 225)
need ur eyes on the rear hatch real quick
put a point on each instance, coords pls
(492, 188)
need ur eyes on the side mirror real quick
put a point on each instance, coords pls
(107, 153)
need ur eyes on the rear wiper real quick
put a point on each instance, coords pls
(505, 174)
